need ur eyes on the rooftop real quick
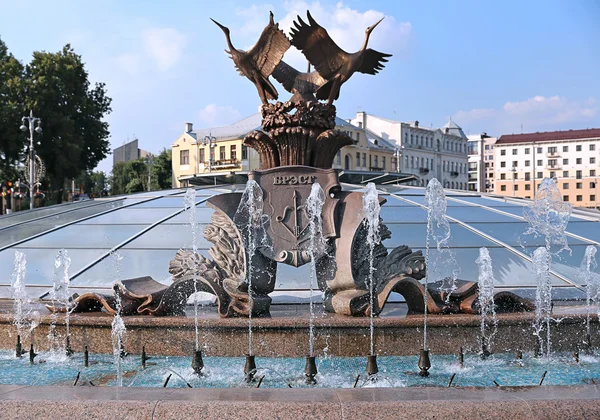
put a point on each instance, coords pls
(587, 133)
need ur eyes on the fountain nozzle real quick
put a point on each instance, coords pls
(19, 347)
(485, 353)
(372, 368)
(32, 354)
(144, 357)
(250, 368)
(68, 349)
(461, 357)
(424, 363)
(576, 355)
(86, 357)
(588, 344)
(198, 363)
(310, 370)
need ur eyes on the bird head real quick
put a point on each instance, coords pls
(223, 28)
(370, 28)
(271, 18)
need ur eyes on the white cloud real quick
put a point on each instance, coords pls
(535, 114)
(164, 45)
(216, 115)
(345, 25)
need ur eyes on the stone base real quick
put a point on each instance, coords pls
(286, 333)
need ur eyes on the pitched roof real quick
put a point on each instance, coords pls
(550, 136)
(452, 128)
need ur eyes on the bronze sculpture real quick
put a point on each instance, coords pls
(258, 63)
(297, 145)
(334, 64)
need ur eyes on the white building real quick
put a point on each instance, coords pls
(426, 152)
(571, 157)
(481, 162)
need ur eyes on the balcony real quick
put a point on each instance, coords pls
(453, 174)
(553, 154)
(553, 166)
(223, 164)
(423, 171)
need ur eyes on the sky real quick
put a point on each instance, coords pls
(497, 67)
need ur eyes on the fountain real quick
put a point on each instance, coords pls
(313, 208)
(592, 290)
(487, 308)
(61, 295)
(21, 309)
(542, 259)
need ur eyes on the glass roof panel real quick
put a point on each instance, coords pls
(479, 214)
(203, 215)
(414, 235)
(513, 234)
(173, 202)
(590, 230)
(27, 215)
(40, 263)
(130, 215)
(88, 236)
(169, 237)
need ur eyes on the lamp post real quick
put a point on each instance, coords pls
(31, 121)
(398, 151)
(210, 141)
(514, 172)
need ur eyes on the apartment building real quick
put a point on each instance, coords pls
(571, 157)
(426, 153)
(481, 162)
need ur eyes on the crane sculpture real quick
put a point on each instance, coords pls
(258, 63)
(302, 85)
(334, 65)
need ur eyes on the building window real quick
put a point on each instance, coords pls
(540, 175)
(502, 176)
(527, 176)
(592, 172)
(244, 152)
(592, 184)
(221, 152)
(516, 187)
(592, 197)
(565, 149)
(383, 162)
(579, 185)
(578, 174)
(502, 187)
(540, 162)
(552, 163)
(527, 149)
(565, 198)
(515, 175)
(338, 158)
(565, 185)
(592, 147)
(514, 151)
(552, 174)
(357, 160)
(527, 187)
(579, 198)
(184, 157)
(376, 161)
(503, 152)
(503, 164)
(592, 160)
(527, 162)
(578, 148)
(539, 150)
(364, 160)
(578, 161)
(565, 161)
(514, 164)
(565, 174)
(552, 150)
(202, 155)
(232, 152)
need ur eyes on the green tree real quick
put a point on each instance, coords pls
(129, 177)
(162, 171)
(99, 183)
(12, 141)
(75, 137)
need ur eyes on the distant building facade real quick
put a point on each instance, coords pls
(424, 152)
(571, 157)
(481, 162)
(128, 151)
(192, 157)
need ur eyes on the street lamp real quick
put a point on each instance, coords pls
(31, 121)
(398, 151)
(514, 172)
(211, 142)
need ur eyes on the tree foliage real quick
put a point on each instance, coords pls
(55, 86)
(162, 171)
(142, 174)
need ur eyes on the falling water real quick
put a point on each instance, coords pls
(438, 230)
(543, 296)
(314, 208)
(60, 295)
(190, 204)
(592, 283)
(250, 215)
(18, 293)
(371, 209)
(549, 215)
(486, 300)
(118, 326)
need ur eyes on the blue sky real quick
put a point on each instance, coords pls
(492, 66)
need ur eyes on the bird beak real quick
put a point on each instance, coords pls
(378, 22)
(219, 25)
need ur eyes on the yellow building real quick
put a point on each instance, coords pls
(201, 155)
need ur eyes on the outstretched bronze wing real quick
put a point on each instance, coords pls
(318, 47)
(372, 61)
(269, 49)
(295, 81)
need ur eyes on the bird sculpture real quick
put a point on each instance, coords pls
(258, 63)
(302, 85)
(334, 65)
